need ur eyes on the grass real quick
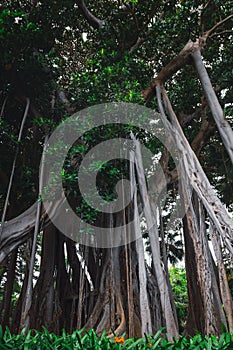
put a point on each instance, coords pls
(79, 340)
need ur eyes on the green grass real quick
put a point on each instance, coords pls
(90, 341)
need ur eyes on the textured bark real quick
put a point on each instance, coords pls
(210, 299)
(42, 308)
(16, 231)
(195, 318)
(168, 312)
(16, 317)
(25, 319)
(192, 178)
(13, 167)
(146, 326)
(9, 289)
(224, 127)
(195, 177)
(224, 286)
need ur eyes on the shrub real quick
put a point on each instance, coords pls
(80, 339)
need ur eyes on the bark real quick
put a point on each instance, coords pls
(41, 312)
(194, 175)
(165, 258)
(154, 300)
(224, 286)
(81, 294)
(211, 31)
(146, 326)
(180, 61)
(16, 231)
(16, 317)
(129, 289)
(25, 319)
(207, 129)
(91, 19)
(112, 289)
(13, 167)
(183, 58)
(195, 318)
(9, 289)
(3, 107)
(189, 168)
(170, 319)
(224, 127)
(210, 299)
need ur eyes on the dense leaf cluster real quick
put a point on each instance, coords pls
(90, 340)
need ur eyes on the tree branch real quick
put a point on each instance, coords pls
(207, 129)
(224, 127)
(183, 58)
(172, 67)
(222, 33)
(136, 45)
(205, 36)
(91, 19)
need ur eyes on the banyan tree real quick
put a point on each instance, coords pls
(169, 59)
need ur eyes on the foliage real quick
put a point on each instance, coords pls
(109, 77)
(179, 287)
(90, 340)
(43, 49)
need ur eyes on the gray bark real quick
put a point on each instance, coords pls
(192, 173)
(25, 319)
(224, 127)
(13, 166)
(170, 319)
(146, 326)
